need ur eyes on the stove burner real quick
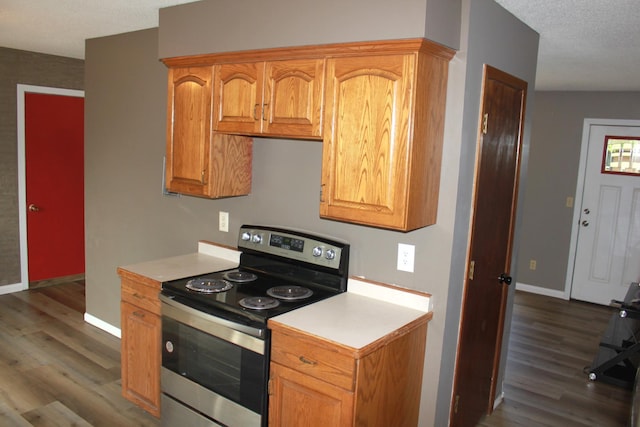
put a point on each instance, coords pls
(258, 303)
(240, 276)
(208, 285)
(290, 293)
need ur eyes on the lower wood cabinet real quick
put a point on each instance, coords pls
(317, 382)
(298, 399)
(141, 335)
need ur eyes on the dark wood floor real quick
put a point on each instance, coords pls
(551, 342)
(57, 370)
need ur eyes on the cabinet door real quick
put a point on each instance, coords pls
(293, 98)
(297, 399)
(140, 347)
(188, 129)
(238, 98)
(367, 147)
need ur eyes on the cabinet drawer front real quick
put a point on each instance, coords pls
(312, 359)
(141, 296)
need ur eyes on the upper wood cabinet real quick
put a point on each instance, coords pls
(378, 107)
(199, 162)
(384, 121)
(278, 98)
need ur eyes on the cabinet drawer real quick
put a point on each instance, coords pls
(141, 295)
(313, 357)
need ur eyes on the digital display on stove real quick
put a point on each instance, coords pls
(285, 242)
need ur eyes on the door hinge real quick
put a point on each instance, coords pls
(269, 387)
(472, 267)
(485, 120)
(455, 405)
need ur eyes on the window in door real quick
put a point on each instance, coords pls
(621, 155)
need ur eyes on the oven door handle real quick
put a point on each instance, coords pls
(241, 335)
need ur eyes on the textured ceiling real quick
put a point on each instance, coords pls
(584, 44)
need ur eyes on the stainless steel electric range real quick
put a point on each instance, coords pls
(215, 357)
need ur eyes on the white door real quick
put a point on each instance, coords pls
(607, 257)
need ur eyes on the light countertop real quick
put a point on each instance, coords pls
(367, 312)
(364, 314)
(210, 257)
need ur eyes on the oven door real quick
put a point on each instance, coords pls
(215, 366)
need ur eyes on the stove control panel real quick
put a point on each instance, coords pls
(295, 245)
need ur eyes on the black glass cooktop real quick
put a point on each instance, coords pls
(231, 300)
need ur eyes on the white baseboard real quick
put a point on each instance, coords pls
(101, 324)
(541, 291)
(498, 400)
(8, 289)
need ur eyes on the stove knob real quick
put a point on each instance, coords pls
(256, 238)
(317, 251)
(331, 254)
(246, 236)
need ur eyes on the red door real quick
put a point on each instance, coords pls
(54, 168)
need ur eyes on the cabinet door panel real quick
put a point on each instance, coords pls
(188, 138)
(141, 338)
(366, 152)
(293, 97)
(300, 400)
(238, 98)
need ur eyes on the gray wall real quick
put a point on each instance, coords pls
(228, 25)
(21, 67)
(558, 119)
(128, 220)
(491, 36)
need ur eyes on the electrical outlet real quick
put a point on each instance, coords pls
(223, 221)
(533, 264)
(406, 257)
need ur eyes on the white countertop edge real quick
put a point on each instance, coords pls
(207, 248)
(394, 296)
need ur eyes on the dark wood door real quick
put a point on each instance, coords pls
(486, 287)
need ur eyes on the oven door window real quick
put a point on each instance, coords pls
(220, 366)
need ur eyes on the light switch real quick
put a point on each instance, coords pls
(569, 203)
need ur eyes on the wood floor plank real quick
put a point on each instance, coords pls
(71, 295)
(52, 307)
(18, 317)
(104, 355)
(70, 361)
(55, 414)
(9, 417)
(79, 398)
(19, 392)
(551, 342)
(56, 369)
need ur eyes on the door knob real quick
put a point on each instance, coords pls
(503, 278)
(33, 208)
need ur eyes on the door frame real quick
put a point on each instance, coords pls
(577, 202)
(22, 90)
